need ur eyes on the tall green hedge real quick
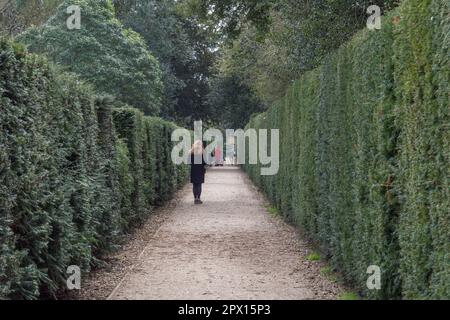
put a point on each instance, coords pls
(364, 154)
(153, 176)
(75, 173)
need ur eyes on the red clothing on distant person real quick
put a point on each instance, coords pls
(219, 156)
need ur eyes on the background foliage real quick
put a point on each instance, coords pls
(269, 44)
(234, 102)
(17, 15)
(184, 46)
(105, 53)
(365, 154)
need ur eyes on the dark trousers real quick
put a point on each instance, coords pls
(197, 190)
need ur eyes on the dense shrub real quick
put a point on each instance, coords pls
(365, 154)
(73, 173)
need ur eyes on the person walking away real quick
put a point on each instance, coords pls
(198, 170)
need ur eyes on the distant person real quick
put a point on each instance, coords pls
(219, 157)
(198, 170)
(233, 158)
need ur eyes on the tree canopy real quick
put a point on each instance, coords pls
(234, 102)
(111, 57)
(184, 47)
(204, 48)
(17, 15)
(270, 44)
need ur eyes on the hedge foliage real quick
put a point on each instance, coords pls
(365, 154)
(75, 174)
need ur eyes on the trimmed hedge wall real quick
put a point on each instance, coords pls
(75, 174)
(364, 154)
(152, 177)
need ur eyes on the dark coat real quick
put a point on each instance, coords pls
(198, 170)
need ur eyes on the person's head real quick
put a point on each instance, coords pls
(197, 147)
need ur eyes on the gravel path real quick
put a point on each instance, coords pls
(228, 248)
